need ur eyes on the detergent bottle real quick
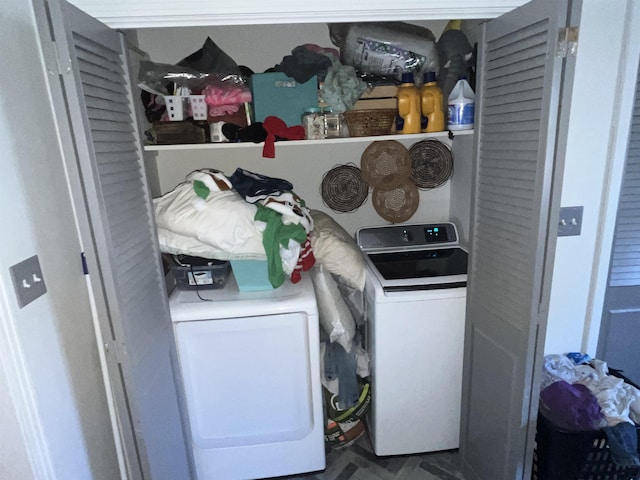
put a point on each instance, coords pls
(461, 106)
(432, 104)
(408, 119)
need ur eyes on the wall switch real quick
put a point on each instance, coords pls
(570, 221)
(28, 281)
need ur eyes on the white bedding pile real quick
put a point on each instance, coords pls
(337, 250)
(220, 226)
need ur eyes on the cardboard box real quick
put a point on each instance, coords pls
(382, 91)
(276, 94)
(384, 96)
(185, 132)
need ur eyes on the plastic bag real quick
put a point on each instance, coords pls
(165, 79)
(456, 60)
(160, 78)
(386, 49)
(211, 59)
(571, 407)
(209, 65)
(335, 316)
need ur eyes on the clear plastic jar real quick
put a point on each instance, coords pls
(313, 123)
(335, 125)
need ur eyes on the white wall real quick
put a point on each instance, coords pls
(592, 171)
(257, 46)
(14, 454)
(304, 167)
(48, 348)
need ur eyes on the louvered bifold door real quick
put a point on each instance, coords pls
(620, 327)
(124, 262)
(519, 78)
(625, 258)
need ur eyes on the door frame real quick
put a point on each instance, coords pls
(620, 128)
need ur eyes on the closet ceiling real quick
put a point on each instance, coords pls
(162, 13)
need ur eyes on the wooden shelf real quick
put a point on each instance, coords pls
(305, 143)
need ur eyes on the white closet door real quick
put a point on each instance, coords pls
(519, 80)
(110, 193)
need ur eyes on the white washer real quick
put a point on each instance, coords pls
(416, 297)
(250, 368)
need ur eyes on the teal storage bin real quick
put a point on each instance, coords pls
(281, 96)
(251, 275)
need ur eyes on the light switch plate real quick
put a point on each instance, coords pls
(570, 222)
(28, 281)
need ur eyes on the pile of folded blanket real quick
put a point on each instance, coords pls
(244, 216)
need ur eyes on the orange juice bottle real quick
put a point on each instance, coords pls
(408, 120)
(432, 104)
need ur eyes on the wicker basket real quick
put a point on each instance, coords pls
(397, 205)
(431, 163)
(369, 123)
(385, 164)
(343, 189)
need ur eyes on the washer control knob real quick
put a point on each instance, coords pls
(406, 236)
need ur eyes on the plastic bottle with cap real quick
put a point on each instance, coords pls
(431, 104)
(409, 113)
(461, 106)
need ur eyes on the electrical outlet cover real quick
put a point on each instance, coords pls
(570, 222)
(28, 281)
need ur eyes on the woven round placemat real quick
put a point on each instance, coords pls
(396, 205)
(385, 164)
(431, 163)
(343, 189)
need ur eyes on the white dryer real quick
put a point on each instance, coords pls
(250, 368)
(416, 299)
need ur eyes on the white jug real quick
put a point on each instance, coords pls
(461, 106)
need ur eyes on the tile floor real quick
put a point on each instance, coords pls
(357, 462)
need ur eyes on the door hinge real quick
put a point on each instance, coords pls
(114, 350)
(55, 64)
(567, 42)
